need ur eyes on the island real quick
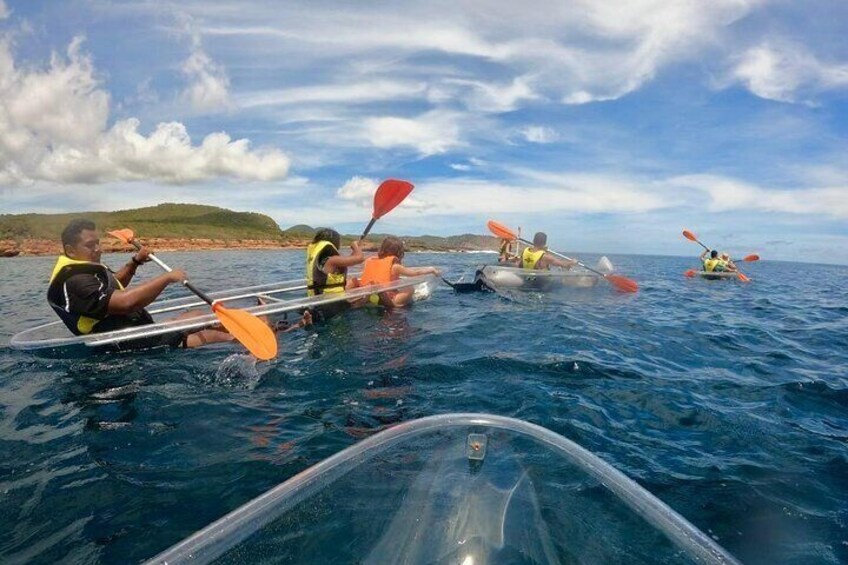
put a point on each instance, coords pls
(195, 227)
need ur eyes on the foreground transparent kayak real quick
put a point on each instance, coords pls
(513, 278)
(55, 340)
(457, 488)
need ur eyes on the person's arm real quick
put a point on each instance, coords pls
(131, 300)
(703, 256)
(338, 262)
(126, 273)
(548, 260)
(402, 271)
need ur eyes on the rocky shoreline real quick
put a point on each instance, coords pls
(39, 247)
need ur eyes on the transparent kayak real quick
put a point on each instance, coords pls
(513, 278)
(54, 339)
(720, 276)
(456, 488)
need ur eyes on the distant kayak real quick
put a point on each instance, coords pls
(513, 278)
(718, 276)
(55, 340)
(454, 488)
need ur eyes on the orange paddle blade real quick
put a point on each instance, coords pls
(501, 230)
(623, 283)
(389, 194)
(126, 235)
(249, 330)
(751, 258)
(742, 277)
(689, 235)
(690, 273)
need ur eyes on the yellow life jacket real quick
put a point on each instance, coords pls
(64, 269)
(317, 281)
(530, 258)
(714, 265)
(377, 271)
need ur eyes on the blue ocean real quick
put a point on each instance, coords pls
(728, 401)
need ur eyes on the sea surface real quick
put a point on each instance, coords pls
(728, 401)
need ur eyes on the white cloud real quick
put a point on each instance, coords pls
(490, 97)
(53, 126)
(732, 194)
(783, 72)
(359, 93)
(539, 134)
(208, 89)
(460, 167)
(358, 189)
(431, 133)
(4, 10)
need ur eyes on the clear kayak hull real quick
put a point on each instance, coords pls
(455, 488)
(512, 278)
(54, 339)
(722, 276)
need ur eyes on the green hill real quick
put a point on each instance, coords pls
(175, 221)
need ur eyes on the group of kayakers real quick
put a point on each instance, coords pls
(535, 257)
(715, 262)
(91, 298)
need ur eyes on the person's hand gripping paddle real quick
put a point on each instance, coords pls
(249, 330)
(621, 283)
(691, 272)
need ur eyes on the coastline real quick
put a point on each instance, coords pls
(41, 247)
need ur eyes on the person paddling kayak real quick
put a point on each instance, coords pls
(326, 269)
(388, 266)
(91, 298)
(537, 257)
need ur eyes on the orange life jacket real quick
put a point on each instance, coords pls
(378, 271)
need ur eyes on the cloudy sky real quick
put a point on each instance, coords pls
(611, 125)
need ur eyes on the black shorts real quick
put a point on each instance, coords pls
(327, 311)
(173, 339)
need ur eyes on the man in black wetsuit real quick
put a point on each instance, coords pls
(91, 298)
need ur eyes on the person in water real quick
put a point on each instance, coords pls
(712, 262)
(386, 267)
(326, 269)
(90, 298)
(538, 258)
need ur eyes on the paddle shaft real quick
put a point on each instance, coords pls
(368, 229)
(186, 283)
(561, 256)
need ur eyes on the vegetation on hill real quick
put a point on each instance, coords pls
(173, 221)
(196, 222)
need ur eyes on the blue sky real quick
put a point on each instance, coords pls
(610, 125)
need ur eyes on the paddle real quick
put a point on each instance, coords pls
(249, 330)
(389, 194)
(691, 272)
(621, 283)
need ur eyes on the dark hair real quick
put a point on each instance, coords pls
(713, 254)
(328, 234)
(71, 233)
(540, 239)
(391, 246)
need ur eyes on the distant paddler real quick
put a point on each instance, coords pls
(536, 257)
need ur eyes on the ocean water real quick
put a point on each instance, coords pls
(727, 401)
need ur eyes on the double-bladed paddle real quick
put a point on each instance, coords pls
(621, 283)
(691, 272)
(249, 330)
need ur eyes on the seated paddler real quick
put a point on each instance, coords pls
(712, 263)
(386, 267)
(538, 258)
(326, 269)
(89, 297)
